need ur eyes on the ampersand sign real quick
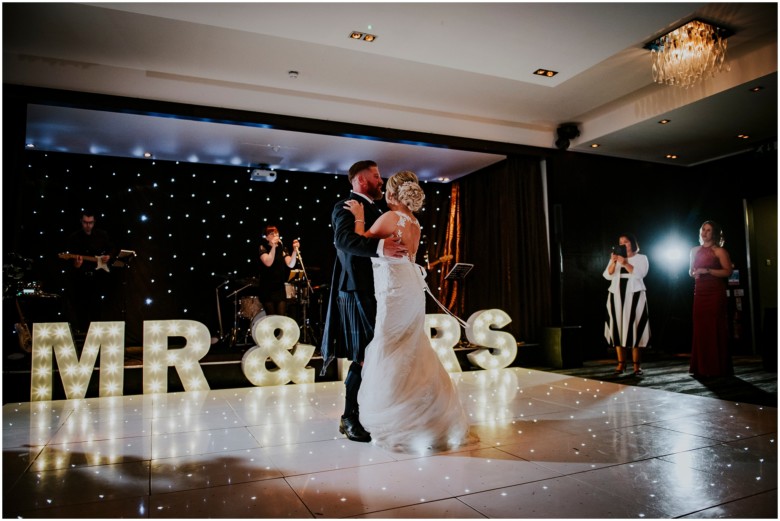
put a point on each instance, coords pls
(275, 336)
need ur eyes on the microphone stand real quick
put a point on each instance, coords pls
(219, 312)
(305, 327)
(234, 332)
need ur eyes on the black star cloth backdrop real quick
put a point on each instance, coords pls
(196, 230)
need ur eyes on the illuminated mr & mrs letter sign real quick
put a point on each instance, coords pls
(276, 338)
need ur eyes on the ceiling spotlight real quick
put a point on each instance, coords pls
(671, 156)
(29, 145)
(664, 121)
(594, 145)
(545, 72)
(357, 35)
(743, 136)
(757, 89)
(147, 155)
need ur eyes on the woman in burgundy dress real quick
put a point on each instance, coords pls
(711, 268)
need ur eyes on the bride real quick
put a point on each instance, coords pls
(407, 399)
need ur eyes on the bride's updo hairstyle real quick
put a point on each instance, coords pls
(405, 188)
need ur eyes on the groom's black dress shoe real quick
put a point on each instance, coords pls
(351, 427)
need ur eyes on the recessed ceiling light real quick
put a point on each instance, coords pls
(595, 145)
(671, 156)
(664, 121)
(29, 145)
(545, 72)
(147, 154)
(757, 89)
(358, 35)
(743, 136)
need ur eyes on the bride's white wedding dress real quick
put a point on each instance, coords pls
(407, 400)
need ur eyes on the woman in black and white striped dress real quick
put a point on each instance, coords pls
(627, 325)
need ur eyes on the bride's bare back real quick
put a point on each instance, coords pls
(398, 225)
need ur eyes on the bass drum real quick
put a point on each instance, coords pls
(249, 307)
(290, 291)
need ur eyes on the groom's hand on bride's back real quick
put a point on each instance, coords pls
(394, 248)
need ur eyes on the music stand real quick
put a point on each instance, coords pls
(459, 271)
(123, 259)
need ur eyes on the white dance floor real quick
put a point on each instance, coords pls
(551, 446)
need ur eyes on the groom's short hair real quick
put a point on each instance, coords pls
(359, 167)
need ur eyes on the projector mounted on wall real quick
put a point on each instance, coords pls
(262, 174)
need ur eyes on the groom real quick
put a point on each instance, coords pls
(349, 326)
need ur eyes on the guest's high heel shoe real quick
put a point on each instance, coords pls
(621, 368)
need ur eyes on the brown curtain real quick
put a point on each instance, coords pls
(494, 219)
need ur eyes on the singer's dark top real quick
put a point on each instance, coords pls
(272, 278)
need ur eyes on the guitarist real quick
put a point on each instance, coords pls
(86, 284)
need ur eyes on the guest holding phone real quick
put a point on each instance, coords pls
(627, 325)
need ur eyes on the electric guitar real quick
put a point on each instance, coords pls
(443, 258)
(101, 265)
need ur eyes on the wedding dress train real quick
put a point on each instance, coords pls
(407, 399)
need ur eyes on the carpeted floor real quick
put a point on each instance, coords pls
(751, 382)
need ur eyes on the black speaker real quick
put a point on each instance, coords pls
(566, 132)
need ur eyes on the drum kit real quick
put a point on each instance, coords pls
(27, 292)
(247, 308)
(33, 304)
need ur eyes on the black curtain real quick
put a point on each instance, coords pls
(496, 221)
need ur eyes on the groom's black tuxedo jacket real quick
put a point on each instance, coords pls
(353, 251)
(352, 269)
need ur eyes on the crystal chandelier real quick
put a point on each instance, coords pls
(688, 54)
